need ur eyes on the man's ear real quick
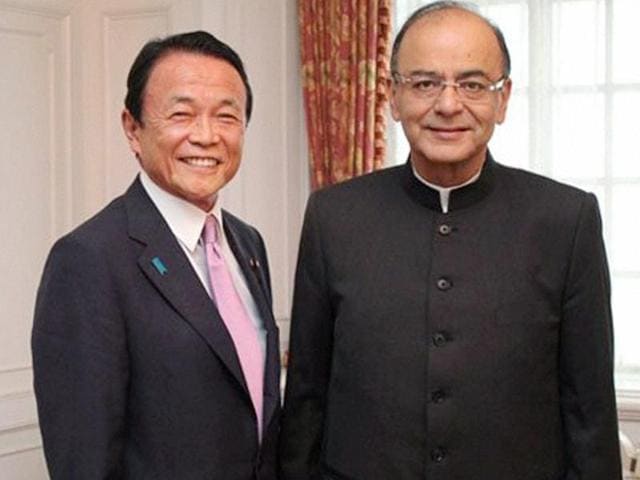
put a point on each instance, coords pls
(131, 129)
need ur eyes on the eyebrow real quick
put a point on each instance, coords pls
(181, 99)
(230, 102)
(226, 102)
(462, 75)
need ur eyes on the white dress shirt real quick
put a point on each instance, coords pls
(186, 222)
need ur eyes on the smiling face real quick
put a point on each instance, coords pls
(190, 138)
(449, 137)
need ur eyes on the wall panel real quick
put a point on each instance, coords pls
(123, 35)
(35, 204)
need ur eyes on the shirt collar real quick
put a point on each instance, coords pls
(461, 198)
(185, 220)
(445, 191)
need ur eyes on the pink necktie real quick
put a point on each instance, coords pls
(235, 317)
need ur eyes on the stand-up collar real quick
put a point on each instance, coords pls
(460, 198)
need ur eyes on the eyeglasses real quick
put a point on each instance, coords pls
(429, 87)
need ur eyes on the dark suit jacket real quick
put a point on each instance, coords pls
(135, 373)
(470, 345)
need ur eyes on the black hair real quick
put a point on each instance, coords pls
(198, 42)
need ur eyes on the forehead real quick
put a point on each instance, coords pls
(198, 75)
(450, 41)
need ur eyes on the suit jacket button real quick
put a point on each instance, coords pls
(438, 454)
(444, 229)
(438, 396)
(439, 339)
(444, 284)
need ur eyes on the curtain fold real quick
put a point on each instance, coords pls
(345, 49)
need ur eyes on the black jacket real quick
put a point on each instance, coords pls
(470, 345)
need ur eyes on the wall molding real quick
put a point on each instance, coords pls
(15, 380)
(41, 8)
(17, 451)
(15, 369)
(19, 427)
(18, 410)
(628, 405)
(136, 13)
(26, 447)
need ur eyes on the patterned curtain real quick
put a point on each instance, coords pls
(345, 48)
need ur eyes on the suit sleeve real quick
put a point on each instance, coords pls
(586, 357)
(310, 347)
(80, 365)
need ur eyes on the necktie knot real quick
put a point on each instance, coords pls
(211, 231)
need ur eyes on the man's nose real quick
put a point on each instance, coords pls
(204, 131)
(448, 101)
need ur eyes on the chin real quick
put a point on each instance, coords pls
(444, 159)
(450, 154)
(205, 204)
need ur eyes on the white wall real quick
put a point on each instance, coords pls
(63, 156)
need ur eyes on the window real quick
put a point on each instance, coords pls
(572, 116)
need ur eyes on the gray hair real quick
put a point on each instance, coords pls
(450, 5)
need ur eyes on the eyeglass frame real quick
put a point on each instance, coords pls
(496, 86)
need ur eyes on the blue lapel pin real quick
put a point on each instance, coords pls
(156, 262)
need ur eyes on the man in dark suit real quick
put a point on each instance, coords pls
(155, 350)
(451, 317)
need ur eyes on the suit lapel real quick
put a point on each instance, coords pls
(254, 269)
(166, 266)
(251, 265)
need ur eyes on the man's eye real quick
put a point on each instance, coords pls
(425, 84)
(472, 86)
(228, 117)
(179, 115)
